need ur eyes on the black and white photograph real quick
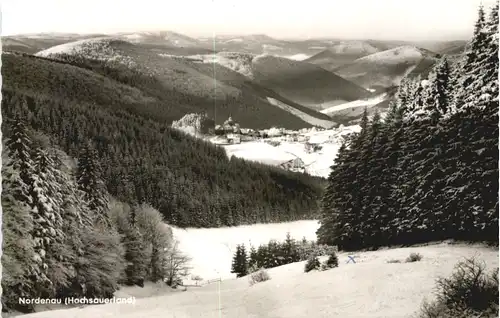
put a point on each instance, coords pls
(249, 159)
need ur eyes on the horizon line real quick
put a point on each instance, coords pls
(285, 38)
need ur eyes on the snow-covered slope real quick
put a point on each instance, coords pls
(305, 117)
(370, 102)
(298, 57)
(84, 46)
(300, 82)
(371, 287)
(101, 48)
(341, 53)
(387, 68)
(169, 38)
(353, 47)
(394, 56)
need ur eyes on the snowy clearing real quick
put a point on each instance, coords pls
(395, 56)
(298, 57)
(305, 117)
(212, 250)
(369, 288)
(260, 152)
(271, 47)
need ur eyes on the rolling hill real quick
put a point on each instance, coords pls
(167, 38)
(253, 43)
(342, 53)
(444, 47)
(301, 83)
(304, 83)
(32, 43)
(179, 85)
(386, 69)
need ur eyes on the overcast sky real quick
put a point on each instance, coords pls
(359, 19)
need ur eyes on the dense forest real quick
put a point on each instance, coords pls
(65, 236)
(429, 170)
(191, 182)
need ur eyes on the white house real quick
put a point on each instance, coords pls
(293, 164)
(233, 138)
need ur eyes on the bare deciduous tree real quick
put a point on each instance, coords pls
(175, 265)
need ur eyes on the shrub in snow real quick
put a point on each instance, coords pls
(469, 292)
(392, 261)
(274, 143)
(196, 277)
(414, 257)
(253, 268)
(311, 248)
(312, 264)
(259, 276)
(332, 261)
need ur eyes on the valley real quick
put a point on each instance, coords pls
(248, 175)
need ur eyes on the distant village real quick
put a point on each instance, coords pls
(231, 133)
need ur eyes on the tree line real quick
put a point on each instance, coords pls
(246, 261)
(429, 170)
(64, 236)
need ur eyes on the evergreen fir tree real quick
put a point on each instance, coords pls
(415, 98)
(18, 254)
(473, 57)
(47, 209)
(332, 261)
(240, 262)
(312, 264)
(437, 92)
(372, 214)
(135, 257)
(253, 260)
(290, 250)
(90, 182)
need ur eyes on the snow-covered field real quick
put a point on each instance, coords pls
(371, 287)
(298, 57)
(395, 56)
(212, 250)
(316, 163)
